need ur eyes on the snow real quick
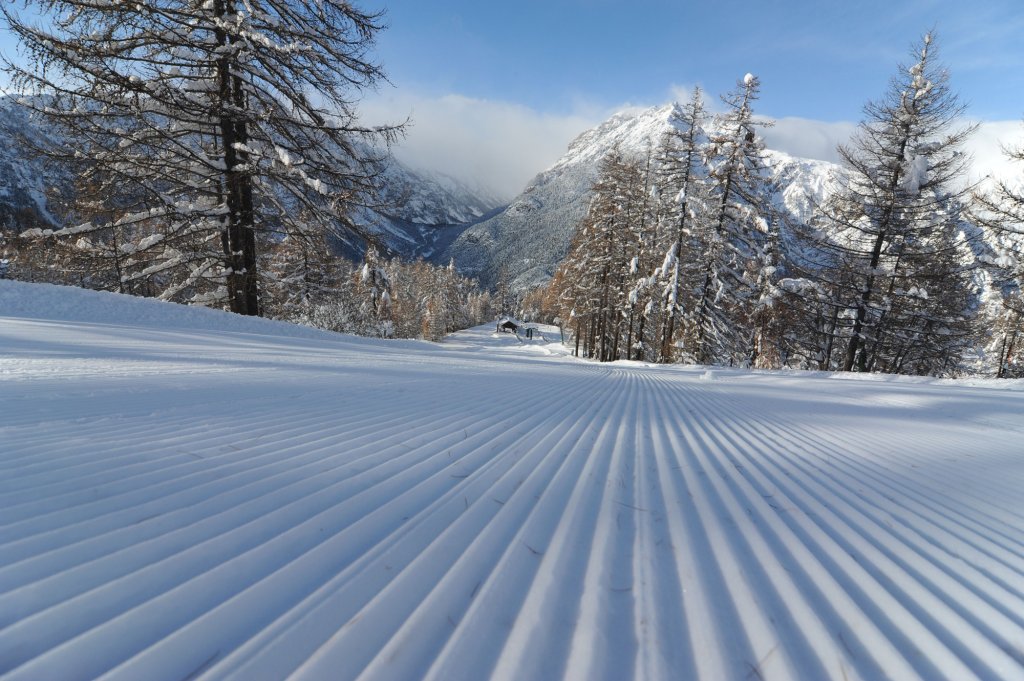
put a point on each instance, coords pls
(191, 494)
(531, 236)
(915, 173)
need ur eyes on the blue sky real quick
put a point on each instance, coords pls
(500, 88)
(496, 90)
(816, 58)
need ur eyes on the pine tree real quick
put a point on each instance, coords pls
(600, 282)
(375, 282)
(640, 248)
(1001, 213)
(887, 252)
(504, 294)
(211, 122)
(584, 273)
(768, 347)
(682, 182)
(734, 239)
(1008, 335)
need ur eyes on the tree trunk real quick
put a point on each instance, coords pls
(640, 339)
(702, 320)
(629, 334)
(240, 241)
(826, 362)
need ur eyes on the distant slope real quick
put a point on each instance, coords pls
(432, 198)
(531, 236)
(423, 211)
(222, 499)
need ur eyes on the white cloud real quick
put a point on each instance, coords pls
(807, 138)
(499, 145)
(986, 146)
(502, 145)
(682, 93)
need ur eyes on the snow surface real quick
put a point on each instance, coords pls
(191, 494)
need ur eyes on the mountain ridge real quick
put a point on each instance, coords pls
(531, 235)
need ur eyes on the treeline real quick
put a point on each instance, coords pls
(684, 256)
(300, 281)
(384, 298)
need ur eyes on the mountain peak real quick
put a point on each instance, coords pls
(531, 236)
(631, 129)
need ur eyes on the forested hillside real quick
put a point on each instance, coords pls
(694, 250)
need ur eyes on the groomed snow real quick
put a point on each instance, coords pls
(187, 494)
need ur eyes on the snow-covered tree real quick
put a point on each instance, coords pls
(391, 298)
(768, 346)
(210, 121)
(683, 187)
(1000, 212)
(641, 250)
(375, 283)
(297, 271)
(886, 257)
(1007, 335)
(732, 243)
(584, 273)
(601, 280)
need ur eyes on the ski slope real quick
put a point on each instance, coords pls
(186, 494)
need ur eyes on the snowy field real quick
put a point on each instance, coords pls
(186, 494)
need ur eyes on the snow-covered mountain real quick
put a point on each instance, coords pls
(531, 236)
(435, 216)
(24, 179)
(423, 211)
(420, 211)
(432, 198)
